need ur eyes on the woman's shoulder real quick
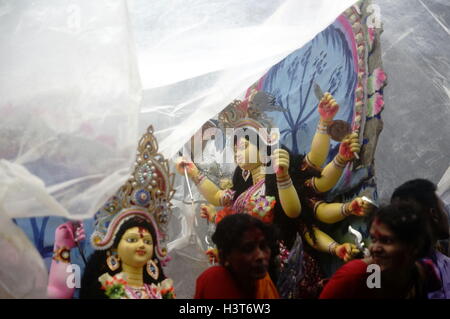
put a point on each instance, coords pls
(217, 272)
(216, 282)
(349, 281)
(429, 275)
(355, 267)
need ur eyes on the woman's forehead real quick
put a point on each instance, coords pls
(252, 234)
(379, 228)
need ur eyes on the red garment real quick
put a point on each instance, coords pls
(217, 283)
(349, 282)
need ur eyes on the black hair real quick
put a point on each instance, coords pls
(230, 229)
(286, 226)
(408, 223)
(96, 265)
(420, 190)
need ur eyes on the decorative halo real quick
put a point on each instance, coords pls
(146, 194)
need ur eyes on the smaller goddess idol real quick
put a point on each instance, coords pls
(128, 239)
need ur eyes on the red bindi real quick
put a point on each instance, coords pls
(141, 231)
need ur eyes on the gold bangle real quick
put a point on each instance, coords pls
(332, 248)
(344, 210)
(283, 178)
(321, 128)
(62, 254)
(227, 198)
(316, 206)
(338, 163)
(199, 178)
(284, 184)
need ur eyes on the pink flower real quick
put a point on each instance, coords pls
(379, 103)
(375, 104)
(262, 208)
(380, 77)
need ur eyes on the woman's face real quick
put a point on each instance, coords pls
(247, 155)
(135, 247)
(250, 260)
(388, 251)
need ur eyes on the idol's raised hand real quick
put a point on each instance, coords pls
(69, 234)
(358, 207)
(346, 251)
(349, 146)
(328, 107)
(280, 160)
(183, 163)
(208, 212)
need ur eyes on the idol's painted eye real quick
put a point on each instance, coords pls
(131, 240)
(148, 242)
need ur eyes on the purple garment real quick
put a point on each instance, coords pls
(442, 262)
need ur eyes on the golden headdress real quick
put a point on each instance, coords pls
(146, 194)
(251, 114)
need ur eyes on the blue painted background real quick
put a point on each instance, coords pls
(327, 60)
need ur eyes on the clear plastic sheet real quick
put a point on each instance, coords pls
(443, 190)
(196, 56)
(415, 138)
(70, 94)
(23, 273)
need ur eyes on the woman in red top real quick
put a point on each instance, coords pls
(400, 237)
(246, 248)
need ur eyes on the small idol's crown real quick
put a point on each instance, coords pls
(147, 194)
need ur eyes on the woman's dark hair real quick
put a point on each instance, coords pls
(420, 190)
(287, 227)
(408, 223)
(96, 265)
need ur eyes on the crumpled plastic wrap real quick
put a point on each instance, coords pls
(196, 56)
(443, 190)
(415, 138)
(23, 273)
(70, 94)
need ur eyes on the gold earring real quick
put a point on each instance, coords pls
(245, 174)
(112, 261)
(152, 269)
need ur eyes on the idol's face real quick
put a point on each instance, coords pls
(135, 247)
(247, 154)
